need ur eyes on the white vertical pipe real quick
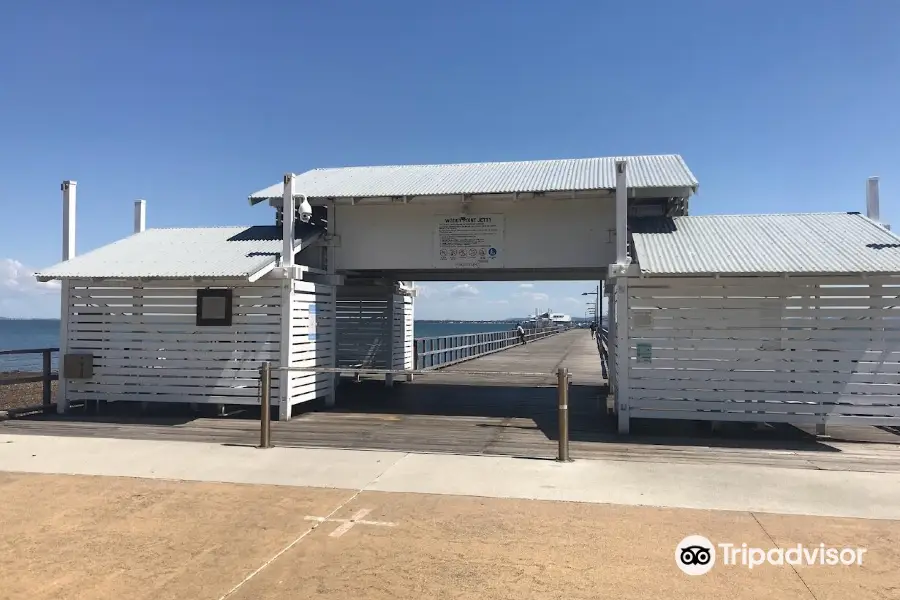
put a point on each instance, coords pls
(331, 269)
(873, 208)
(69, 192)
(623, 355)
(621, 211)
(140, 215)
(287, 221)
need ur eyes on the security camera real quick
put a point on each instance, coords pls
(305, 210)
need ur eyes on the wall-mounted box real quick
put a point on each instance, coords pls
(78, 366)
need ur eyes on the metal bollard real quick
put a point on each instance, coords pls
(562, 396)
(265, 406)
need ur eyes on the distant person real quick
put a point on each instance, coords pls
(593, 328)
(521, 333)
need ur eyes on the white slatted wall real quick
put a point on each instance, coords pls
(363, 330)
(800, 350)
(146, 345)
(313, 304)
(404, 345)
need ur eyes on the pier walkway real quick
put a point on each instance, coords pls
(451, 410)
(457, 411)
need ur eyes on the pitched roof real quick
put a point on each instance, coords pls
(659, 171)
(765, 244)
(177, 253)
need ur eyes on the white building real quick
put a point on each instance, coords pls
(189, 314)
(765, 318)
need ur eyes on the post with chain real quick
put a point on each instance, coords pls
(562, 396)
(265, 405)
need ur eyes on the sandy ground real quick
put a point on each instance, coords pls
(104, 537)
(18, 395)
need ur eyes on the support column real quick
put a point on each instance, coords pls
(331, 269)
(391, 327)
(411, 343)
(284, 378)
(623, 354)
(287, 298)
(69, 191)
(613, 341)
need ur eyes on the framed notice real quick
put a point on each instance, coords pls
(468, 242)
(313, 317)
(644, 352)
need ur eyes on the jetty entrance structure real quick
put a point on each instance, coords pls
(773, 318)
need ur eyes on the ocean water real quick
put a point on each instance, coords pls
(18, 335)
(44, 333)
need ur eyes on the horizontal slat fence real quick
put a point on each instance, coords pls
(312, 340)
(811, 350)
(146, 345)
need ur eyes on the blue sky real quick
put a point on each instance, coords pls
(776, 107)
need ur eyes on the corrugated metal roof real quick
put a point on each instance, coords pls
(668, 170)
(209, 252)
(760, 244)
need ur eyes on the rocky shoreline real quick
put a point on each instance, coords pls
(20, 395)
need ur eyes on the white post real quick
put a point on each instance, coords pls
(623, 354)
(391, 328)
(613, 340)
(69, 192)
(331, 269)
(285, 378)
(287, 221)
(621, 211)
(68, 251)
(409, 344)
(140, 215)
(873, 210)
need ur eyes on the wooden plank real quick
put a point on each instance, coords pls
(718, 396)
(767, 409)
(808, 375)
(752, 303)
(184, 320)
(796, 419)
(688, 312)
(662, 325)
(702, 382)
(209, 352)
(769, 334)
(138, 388)
(178, 398)
(102, 374)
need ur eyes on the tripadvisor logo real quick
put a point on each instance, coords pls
(696, 555)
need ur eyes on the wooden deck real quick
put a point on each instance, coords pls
(458, 412)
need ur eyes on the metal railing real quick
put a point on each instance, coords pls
(563, 378)
(603, 349)
(446, 350)
(45, 376)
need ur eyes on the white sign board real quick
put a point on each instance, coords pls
(313, 317)
(468, 242)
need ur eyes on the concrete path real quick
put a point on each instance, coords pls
(711, 486)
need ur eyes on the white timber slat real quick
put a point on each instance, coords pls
(362, 321)
(146, 345)
(803, 350)
(312, 341)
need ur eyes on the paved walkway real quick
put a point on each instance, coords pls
(662, 484)
(94, 538)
